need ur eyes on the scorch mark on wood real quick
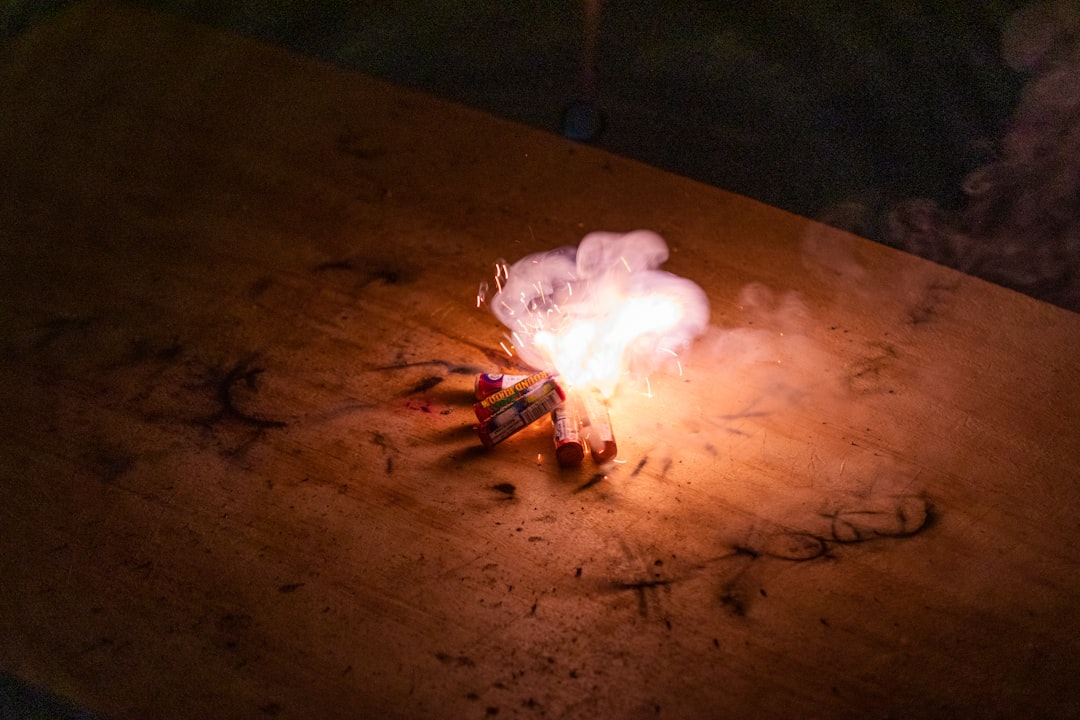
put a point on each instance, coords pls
(590, 482)
(505, 488)
(424, 385)
(229, 408)
(451, 368)
(739, 586)
(930, 302)
(867, 376)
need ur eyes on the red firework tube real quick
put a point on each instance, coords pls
(531, 405)
(598, 432)
(488, 384)
(569, 450)
(508, 396)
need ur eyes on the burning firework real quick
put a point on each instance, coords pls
(589, 318)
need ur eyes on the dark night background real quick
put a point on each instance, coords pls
(838, 110)
(801, 105)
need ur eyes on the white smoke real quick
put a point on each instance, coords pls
(1020, 224)
(601, 311)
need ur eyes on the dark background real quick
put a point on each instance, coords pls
(828, 108)
(840, 110)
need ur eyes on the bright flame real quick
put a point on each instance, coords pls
(601, 311)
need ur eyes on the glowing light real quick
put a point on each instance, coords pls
(601, 311)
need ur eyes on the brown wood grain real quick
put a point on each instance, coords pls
(237, 292)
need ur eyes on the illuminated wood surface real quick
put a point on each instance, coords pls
(239, 480)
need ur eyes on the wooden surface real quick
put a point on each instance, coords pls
(239, 480)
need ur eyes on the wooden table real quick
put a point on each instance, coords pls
(238, 472)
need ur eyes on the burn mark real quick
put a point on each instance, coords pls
(469, 453)
(737, 572)
(747, 551)
(390, 276)
(929, 304)
(794, 546)
(386, 272)
(590, 482)
(729, 421)
(507, 489)
(291, 587)
(383, 443)
(334, 265)
(425, 384)
(907, 519)
(867, 375)
(908, 516)
(643, 589)
(249, 377)
(451, 368)
(640, 466)
(733, 601)
(638, 585)
(454, 660)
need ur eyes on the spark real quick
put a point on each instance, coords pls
(675, 355)
(506, 349)
(596, 324)
(446, 309)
